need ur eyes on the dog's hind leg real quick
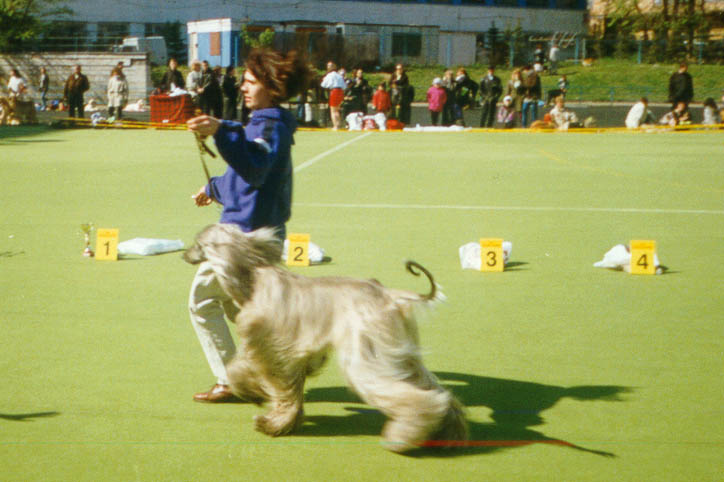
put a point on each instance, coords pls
(415, 412)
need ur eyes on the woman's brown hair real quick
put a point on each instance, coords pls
(283, 75)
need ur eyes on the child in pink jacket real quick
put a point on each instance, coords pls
(436, 98)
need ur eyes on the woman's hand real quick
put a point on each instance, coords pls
(204, 125)
(201, 198)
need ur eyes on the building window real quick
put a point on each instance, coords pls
(406, 44)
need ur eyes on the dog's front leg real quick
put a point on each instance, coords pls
(281, 420)
(287, 413)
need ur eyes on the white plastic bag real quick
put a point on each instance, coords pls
(619, 258)
(147, 247)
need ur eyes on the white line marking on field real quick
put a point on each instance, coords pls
(321, 156)
(509, 208)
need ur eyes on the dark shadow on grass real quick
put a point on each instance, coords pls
(515, 266)
(13, 134)
(27, 417)
(10, 254)
(516, 406)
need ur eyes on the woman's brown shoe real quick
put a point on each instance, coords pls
(217, 394)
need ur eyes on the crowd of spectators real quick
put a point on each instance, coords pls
(515, 102)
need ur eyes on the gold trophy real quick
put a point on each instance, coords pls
(87, 228)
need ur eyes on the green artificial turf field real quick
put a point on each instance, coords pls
(568, 372)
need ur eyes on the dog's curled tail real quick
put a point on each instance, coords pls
(416, 268)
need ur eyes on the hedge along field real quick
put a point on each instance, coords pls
(568, 372)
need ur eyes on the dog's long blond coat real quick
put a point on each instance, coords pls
(287, 324)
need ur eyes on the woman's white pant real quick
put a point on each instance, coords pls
(208, 306)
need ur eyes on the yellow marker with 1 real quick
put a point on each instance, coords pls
(107, 245)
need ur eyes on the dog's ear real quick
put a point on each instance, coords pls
(266, 246)
(234, 255)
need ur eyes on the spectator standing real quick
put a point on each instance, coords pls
(75, 86)
(539, 58)
(172, 79)
(639, 114)
(407, 93)
(335, 84)
(436, 98)
(210, 99)
(117, 92)
(681, 86)
(554, 55)
(193, 81)
(381, 100)
(16, 86)
(358, 93)
(230, 91)
(516, 90)
(395, 100)
(491, 88)
(464, 92)
(532, 93)
(448, 111)
(44, 86)
(711, 112)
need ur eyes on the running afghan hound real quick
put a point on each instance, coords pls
(287, 324)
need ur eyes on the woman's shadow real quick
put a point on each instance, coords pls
(516, 406)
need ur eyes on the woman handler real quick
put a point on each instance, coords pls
(255, 191)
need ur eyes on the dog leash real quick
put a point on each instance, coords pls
(203, 150)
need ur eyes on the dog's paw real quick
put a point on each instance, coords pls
(267, 425)
(277, 424)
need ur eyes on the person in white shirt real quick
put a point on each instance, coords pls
(563, 118)
(16, 85)
(554, 56)
(193, 80)
(639, 114)
(334, 82)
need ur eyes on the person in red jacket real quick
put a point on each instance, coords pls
(381, 99)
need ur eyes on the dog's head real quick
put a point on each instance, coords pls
(234, 255)
(230, 243)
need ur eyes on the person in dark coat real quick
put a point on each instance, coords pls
(172, 78)
(209, 91)
(491, 88)
(230, 91)
(681, 86)
(76, 85)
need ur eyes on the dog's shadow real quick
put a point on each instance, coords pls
(516, 406)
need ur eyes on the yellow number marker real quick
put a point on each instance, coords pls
(491, 255)
(642, 256)
(107, 245)
(298, 251)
